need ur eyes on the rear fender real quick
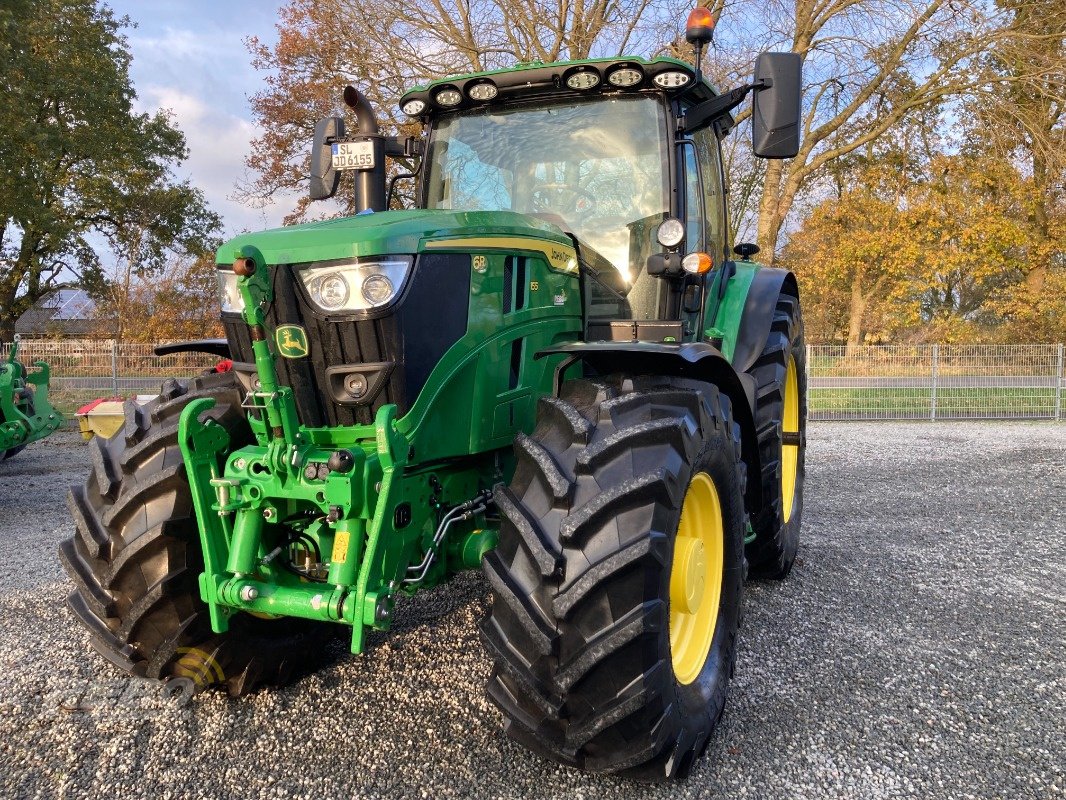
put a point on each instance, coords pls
(753, 327)
(696, 360)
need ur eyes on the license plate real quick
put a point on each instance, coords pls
(353, 155)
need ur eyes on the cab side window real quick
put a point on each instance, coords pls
(694, 222)
(710, 160)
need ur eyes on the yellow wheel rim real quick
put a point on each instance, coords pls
(790, 423)
(696, 578)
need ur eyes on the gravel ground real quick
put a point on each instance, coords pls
(916, 651)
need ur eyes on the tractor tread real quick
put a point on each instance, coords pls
(157, 540)
(580, 672)
(142, 485)
(657, 484)
(580, 428)
(773, 552)
(631, 699)
(518, 712)
(547, 467)
(633, 625)
(107, 477)
(95, 597)
(152, 601)
(92, 534)
(549, 703)
(135, 557)
(539, 630)
(646, 433)
(652, 543)
(547, 557)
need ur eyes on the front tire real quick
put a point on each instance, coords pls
(135, 558)
(595, 628)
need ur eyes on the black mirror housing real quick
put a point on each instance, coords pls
(775, 119)
(325, 179)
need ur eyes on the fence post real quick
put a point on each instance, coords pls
(114, 368)
(1058, 388)
(932, 398)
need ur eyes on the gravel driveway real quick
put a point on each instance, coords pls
(918, 650)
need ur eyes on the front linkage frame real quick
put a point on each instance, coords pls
(345, 487)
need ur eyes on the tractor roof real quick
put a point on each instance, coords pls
(560, 79)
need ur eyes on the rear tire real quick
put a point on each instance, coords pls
(580, 626)
(780, 375)
(135, 557)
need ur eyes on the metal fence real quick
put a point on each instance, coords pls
(85, 369)
(932, 382)
(935, 382)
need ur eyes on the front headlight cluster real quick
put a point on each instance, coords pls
(341, 286)
(229, 296)
(335, 286)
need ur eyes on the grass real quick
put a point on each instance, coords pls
(826, 403)
(917, 403)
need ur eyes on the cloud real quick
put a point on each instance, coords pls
(218, 143)
(204, 78)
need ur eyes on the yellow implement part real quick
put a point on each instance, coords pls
(106, 419)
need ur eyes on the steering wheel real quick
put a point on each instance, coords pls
(561, 198)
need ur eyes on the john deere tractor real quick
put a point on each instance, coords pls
(25, 413)
(550, 368)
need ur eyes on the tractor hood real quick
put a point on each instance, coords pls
(389, 232)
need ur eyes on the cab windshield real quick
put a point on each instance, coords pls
(597, 168)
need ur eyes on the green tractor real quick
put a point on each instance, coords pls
(25, 413)
(550, 369)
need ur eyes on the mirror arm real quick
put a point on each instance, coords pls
(403, 147)
(708, 111)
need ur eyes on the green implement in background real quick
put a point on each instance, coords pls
(25, 413)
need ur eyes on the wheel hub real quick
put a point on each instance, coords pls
(691, 572)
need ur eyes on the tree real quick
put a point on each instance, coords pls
(180, 301)
(909, 56)
(853, 257)
(895, 258)
(77, 165)
(1025, 123)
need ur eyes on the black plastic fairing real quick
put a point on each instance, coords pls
(759, 314)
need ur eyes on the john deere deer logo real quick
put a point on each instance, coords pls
(292, 341)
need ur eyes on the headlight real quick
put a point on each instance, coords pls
(342, 286)
(413, 108)
(229, 296)
(671, 80)
(670, 232)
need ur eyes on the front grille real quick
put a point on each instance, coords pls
(429, 318)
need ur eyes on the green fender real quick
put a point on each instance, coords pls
(751, 327)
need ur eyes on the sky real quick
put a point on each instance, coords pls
(189, 57)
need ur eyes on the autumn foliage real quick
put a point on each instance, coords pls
(927, 201)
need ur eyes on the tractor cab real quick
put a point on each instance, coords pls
(622, 155)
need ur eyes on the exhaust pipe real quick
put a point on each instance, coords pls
(369, 183)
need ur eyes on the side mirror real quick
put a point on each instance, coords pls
(775, 119)
(325, 179)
